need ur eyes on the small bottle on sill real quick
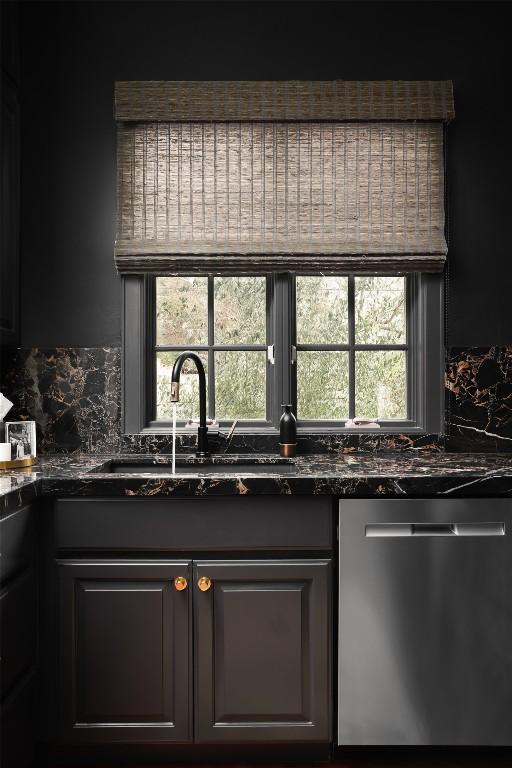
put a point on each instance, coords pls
(288, 433)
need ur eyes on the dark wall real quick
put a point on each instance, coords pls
(9, 176)
(73, 52)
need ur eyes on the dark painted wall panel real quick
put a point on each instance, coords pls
(73, 52)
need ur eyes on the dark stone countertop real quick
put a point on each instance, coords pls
(401, 473)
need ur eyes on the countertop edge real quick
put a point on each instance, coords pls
(400, 474)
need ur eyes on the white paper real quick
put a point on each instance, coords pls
(5, 406)
(5, 451)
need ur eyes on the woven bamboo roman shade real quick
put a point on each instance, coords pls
(253, 177)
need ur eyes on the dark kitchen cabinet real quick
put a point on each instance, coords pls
(18, 637)
(228, 525)
(262, 650)
(242, 654)
(124, 651)
(18, 629)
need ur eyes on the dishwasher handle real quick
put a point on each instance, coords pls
(402, 530)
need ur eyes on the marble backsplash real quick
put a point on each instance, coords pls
(478, 387)
(74, 395)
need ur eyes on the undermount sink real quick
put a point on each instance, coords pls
(191, 465)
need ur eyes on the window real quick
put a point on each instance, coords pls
(336, 346)
(224, 320)
(351, 340)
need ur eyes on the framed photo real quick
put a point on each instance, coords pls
(22, 437)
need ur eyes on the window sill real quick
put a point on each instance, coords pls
(301, 431)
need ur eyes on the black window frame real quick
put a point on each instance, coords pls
(424, 342)
(352, 347)
(210, 348)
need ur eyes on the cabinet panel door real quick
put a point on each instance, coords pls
(124, 655)
(17, 537)
(262, 651)
(19, 715)
(18, 631)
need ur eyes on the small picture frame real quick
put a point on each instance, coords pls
(22, 437)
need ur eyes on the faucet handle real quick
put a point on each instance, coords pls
(227, 438)
(232, 429)
(175, 391)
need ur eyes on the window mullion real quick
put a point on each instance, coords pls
(211, 353)
(270, 378)
(293, 362)
(151, 359)
(282, 315)
(415, 394)
(279, 351)
(351, 353)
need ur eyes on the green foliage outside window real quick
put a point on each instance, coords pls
(322, 318)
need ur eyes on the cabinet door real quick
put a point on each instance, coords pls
(18, 631)
(262, 651)
(18, 639)
(124, 655)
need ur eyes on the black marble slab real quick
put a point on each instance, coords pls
(478, 385)
(74, 395)
(355, 474)
(18, 489)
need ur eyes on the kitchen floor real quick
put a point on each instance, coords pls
(480, 759)
(483, 760)
(462, 762)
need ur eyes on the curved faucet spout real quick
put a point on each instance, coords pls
(202, 431)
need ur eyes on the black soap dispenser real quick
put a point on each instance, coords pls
(288, 432)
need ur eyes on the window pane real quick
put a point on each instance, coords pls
(181, 310)
(240, 310)
(322, 310)
(380, 310)
(240, 385)
(322, 385)
(188, 406)
(381, 385)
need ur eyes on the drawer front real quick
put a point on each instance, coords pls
(17, 630)
(222, 524)
(16, 542)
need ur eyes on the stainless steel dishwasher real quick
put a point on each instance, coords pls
(425, 622)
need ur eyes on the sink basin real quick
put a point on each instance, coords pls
(190, 465)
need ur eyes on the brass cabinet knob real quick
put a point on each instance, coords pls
(180, 583)
(204, 583)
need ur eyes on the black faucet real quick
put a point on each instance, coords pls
(202, 430)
